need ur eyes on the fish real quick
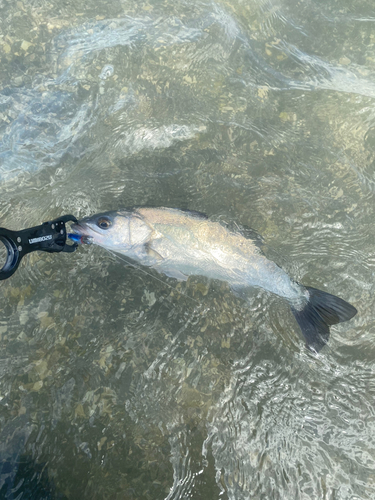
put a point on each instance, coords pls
(182, 243)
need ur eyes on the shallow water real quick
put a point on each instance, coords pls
(119, 384)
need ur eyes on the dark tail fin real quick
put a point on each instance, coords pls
(321, 311)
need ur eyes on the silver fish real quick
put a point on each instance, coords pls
(181, 243)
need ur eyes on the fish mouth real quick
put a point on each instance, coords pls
(79, 228)
(83, 230)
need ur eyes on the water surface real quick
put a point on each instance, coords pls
(123, 385)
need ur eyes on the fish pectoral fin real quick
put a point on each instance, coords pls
(153, 254)
(158, 264)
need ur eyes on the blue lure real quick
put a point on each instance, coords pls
(75, 237)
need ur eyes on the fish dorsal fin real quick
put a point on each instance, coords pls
(194, 213)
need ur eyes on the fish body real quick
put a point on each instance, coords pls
(181, 243)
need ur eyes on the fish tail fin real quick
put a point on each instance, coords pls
(320, 312)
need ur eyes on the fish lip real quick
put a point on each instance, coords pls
(78, 228)
(81, 228)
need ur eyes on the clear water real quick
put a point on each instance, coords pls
(116, 385)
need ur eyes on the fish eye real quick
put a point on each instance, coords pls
(104, 223)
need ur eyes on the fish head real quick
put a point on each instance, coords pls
(111, 230)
